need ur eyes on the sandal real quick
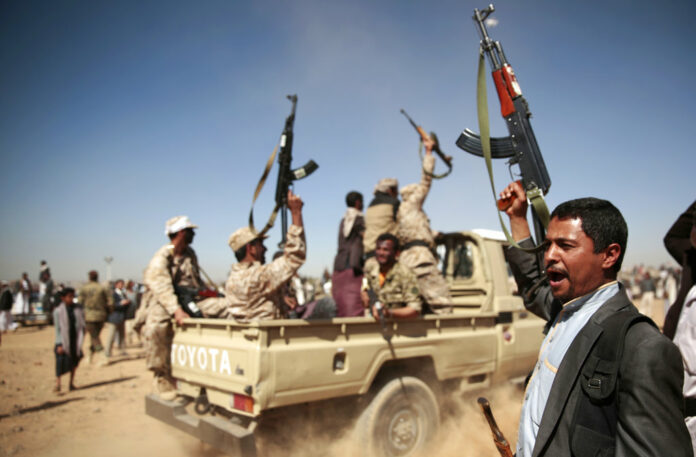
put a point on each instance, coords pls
(56, 388)
(72, 387)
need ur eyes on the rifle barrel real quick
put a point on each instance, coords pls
(415, 126)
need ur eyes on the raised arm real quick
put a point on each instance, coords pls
(275, 274)
(532, 285)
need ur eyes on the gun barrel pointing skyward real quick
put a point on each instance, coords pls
(415, 126)
(487, 45)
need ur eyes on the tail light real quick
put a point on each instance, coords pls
(243, 403)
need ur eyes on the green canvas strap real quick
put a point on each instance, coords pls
(259, 186)
(535, 196)
(433, 175)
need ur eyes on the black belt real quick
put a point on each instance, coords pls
(413, 243)
(369, 254)
(690, 404)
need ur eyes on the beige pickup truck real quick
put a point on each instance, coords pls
(233, 377)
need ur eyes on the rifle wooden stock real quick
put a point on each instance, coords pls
(500, 442)
(505, 203)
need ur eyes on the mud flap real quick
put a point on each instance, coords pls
(217, 431)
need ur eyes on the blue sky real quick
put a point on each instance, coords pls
(115, 116)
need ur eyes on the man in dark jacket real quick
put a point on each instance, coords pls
(681, 243)
(116, 320)
(348, 264)
(579, 296)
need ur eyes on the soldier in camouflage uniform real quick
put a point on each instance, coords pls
(254, 290)
(174, 264)
(380, 217)
(395, 284)
(418, 241)
(96, 301)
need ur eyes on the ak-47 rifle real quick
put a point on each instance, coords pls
(286, 176)
(500, 442)
(436, 147)
(521, 146)
(188, 297)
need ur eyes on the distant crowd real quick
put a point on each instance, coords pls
(652, 289)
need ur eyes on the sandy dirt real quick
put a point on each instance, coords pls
(106, 415)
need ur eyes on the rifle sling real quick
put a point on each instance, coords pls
(442, 156)
(259, 186)
(534, 195)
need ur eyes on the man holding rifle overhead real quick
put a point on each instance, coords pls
(254, 289)
(606, 382)
(417, 239)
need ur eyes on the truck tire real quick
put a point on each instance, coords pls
(400, 419)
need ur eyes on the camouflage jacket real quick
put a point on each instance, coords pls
(166, 270)
(400, 288)
(413, 224)
(254, 291)
(96, 300)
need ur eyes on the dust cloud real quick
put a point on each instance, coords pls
(463, 431)
(106, 415)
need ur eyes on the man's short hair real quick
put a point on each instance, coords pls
(352, 198)
(66, 291)
(602, 222)
(93, 275)
(389, 236)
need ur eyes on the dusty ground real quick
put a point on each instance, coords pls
(105, 416)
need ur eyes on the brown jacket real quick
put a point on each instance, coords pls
(380, 218)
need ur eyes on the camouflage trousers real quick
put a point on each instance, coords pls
(94, 329)
(158, 334)
(433, 286)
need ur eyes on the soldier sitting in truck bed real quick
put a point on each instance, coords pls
(254, 291)
(394, 284)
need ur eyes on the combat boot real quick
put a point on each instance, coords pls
(164, 387)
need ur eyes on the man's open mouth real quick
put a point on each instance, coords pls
(555, 276)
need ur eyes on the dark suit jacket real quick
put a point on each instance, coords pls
(650, 403)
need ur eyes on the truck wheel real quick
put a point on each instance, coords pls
(400, 420)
